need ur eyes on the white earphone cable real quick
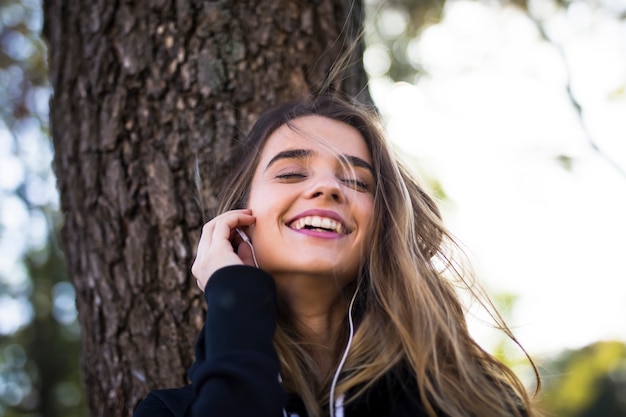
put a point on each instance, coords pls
(253, 255)
(246, 239)
(333, 385)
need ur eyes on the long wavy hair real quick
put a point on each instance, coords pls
(408, 311)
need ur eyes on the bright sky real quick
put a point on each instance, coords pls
(489, 122)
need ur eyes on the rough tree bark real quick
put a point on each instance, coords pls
(144, 91)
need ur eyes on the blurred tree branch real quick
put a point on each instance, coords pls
(541, 28)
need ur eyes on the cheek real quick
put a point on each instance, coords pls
(263, 211)
(266, 216)
(255, 200)
(264, 238)
(366, 214)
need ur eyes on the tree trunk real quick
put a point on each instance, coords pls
(147, 94)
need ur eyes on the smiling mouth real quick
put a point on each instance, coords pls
(321, 224)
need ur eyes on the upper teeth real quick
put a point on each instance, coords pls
(318, 222)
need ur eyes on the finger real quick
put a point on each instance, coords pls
(227, 216)
(224, 227)
(215, 249)
(231, 220)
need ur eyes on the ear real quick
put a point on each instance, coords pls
(246, 253)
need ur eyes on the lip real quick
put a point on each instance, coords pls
(321, 213)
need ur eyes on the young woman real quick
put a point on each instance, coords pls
(330, 286)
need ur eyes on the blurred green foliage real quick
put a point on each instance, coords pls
(586, 382)
(393, 26)
(589, 382)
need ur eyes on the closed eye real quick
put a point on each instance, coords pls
(290, 175)
(356, 184)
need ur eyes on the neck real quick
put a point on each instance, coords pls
(317, 307)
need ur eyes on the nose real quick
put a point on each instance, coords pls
(326, 186)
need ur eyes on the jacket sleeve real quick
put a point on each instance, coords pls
(165, 403)
(152, 406)
(236, 369)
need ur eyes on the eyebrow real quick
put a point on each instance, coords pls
(306, 153)
(358, 162)
(290, 154)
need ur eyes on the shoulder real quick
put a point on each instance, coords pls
(166, 403)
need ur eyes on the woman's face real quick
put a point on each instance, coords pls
(312, 196)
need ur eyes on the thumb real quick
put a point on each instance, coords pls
(244, 251)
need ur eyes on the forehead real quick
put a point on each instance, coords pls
(318, 133)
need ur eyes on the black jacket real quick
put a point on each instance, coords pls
(236, 369)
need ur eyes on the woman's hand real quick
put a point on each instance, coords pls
(215, 249)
